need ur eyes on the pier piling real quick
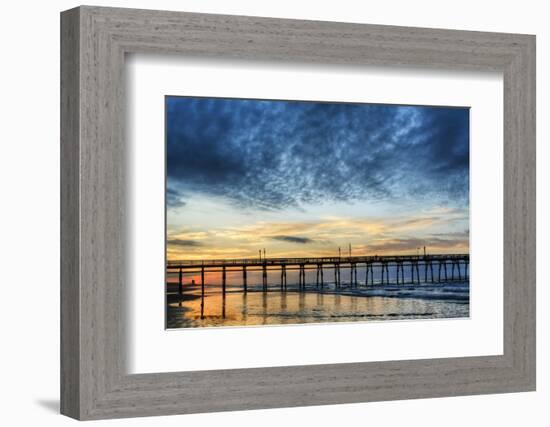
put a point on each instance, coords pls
(264, 276)
(397, 268)
(202, 293)
(317, 277)
(223, 280)
(426, 266)
(452, 271)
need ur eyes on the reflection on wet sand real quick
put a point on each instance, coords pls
(255, 307)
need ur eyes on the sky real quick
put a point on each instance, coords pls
(306, 178)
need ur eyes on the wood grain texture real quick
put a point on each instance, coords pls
(94, 382)
(70, 258)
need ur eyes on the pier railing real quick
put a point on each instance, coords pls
(184, 264)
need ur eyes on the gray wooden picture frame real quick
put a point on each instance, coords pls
(94, 381)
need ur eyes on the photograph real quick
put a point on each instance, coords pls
(288, 212)
(275, 209)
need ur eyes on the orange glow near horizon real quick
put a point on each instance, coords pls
(321, 238)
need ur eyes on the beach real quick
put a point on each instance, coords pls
(315, 304)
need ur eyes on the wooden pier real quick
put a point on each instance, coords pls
(437, 269)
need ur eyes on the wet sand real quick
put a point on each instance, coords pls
(315, 305)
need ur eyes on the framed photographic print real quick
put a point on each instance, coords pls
(282, 212)
(277, 213)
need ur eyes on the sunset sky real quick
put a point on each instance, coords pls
(304, 178)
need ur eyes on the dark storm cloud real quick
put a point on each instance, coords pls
(275, 154)
(293, 239)
(174, 198)
(184, 243)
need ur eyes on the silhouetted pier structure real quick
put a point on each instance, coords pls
(436, 268)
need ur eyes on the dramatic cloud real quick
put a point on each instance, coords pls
(293, 239)
(174, 198)
(184, 243)
(277, 154)
(323, 237)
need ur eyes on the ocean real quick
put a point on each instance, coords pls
(315, 304)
